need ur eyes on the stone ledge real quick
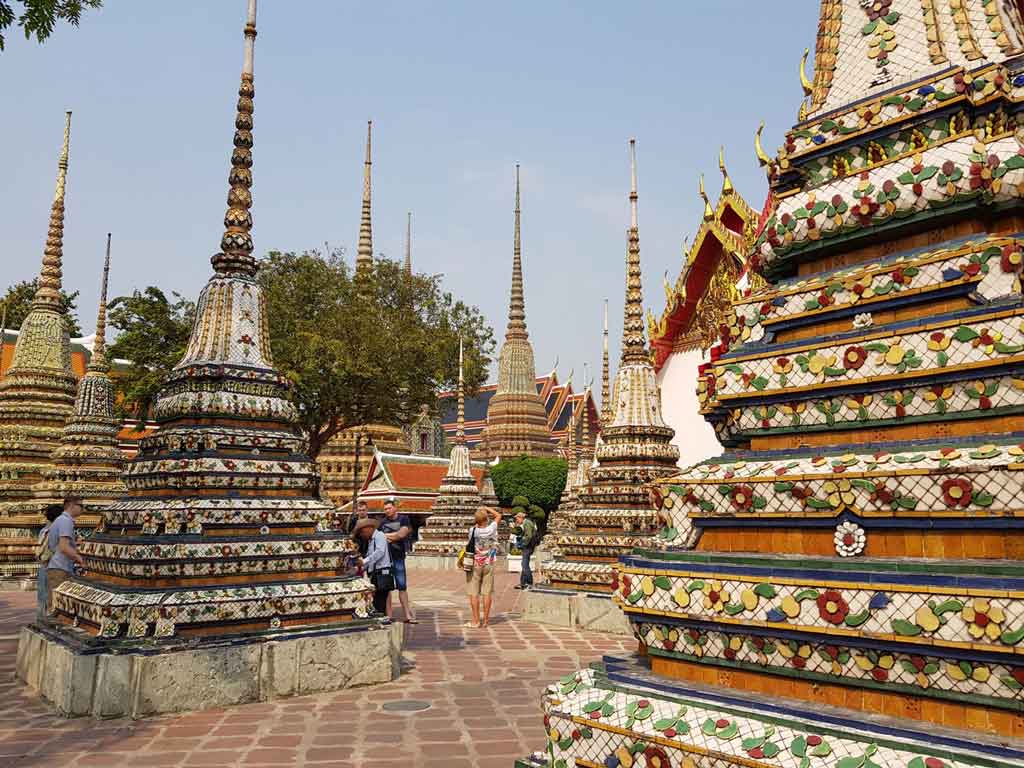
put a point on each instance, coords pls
(575, 610)
(77, 680)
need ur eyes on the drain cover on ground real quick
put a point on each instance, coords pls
(406, 705)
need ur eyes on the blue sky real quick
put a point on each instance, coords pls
(458, 91)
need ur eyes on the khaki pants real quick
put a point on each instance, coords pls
(54, 577)
(480, 581)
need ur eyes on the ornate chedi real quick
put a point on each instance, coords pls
(517, 423)
(88, 462)
(37, 394)
(845, 586)
(614, 513)
(458, 497)
(342, 463)
(220, 533)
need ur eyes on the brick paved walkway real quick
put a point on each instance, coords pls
(483, 687)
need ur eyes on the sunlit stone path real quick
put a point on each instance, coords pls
(482, 688)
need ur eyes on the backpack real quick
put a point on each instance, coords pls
(528, 535)
(43, 551)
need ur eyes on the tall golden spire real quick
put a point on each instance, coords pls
(709, 212)
(408, 243)
(517, 305)
(634, 344)
(364, 253)
(606, 391)
(98, 361)
(235, 256)
(460, 424)
(48, 292)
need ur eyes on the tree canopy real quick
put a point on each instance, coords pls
(540, 481)
(366, 350)
(39, 17)
(154, 333)
(17, 302)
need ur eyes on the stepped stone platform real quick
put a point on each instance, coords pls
(79, 676)
(592, 611)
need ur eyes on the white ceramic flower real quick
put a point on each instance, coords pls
(863, 320)
(850, 539)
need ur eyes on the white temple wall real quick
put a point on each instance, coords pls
(678, 381)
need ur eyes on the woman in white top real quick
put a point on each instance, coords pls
(376, 562)
(480, 581)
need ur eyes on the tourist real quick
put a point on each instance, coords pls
(397, 529)
(526, 530)
(43, 555)
(376, 563)
(483, 540)
(361, 512)
(62, 542)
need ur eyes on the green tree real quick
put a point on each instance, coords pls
(39, 17)
(541, 481)
(17, 302)
(154, 333)
(362, 352)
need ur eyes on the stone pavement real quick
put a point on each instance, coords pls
(482, 686)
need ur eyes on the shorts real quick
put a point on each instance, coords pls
(480, 581)
(398, 571)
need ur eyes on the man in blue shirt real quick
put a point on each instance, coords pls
(397, 529)
(62, 542)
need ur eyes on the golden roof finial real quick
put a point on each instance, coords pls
(762, 157)
(98, 361)
(805, 83)
(727, 188)
(709, 212)
(48, 291)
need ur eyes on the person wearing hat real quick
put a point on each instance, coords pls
(377, 561)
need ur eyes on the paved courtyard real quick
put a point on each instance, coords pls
(483, 688)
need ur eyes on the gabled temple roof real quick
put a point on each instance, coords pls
(412, 480)
(559, 400)
(721, 234)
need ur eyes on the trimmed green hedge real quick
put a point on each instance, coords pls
(539, 481)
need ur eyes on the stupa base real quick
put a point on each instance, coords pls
(594, 612)
(18, 577)
(618, 713)
(79, 676)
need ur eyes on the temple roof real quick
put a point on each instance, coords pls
(720, 234)
(559, 399)
(412, 480)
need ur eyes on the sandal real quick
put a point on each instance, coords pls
(470, 625)
(411, 621)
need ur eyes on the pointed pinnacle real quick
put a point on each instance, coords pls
(364, 251)
(48, 292)
(98, 361)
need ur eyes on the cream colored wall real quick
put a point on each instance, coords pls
(678, 381)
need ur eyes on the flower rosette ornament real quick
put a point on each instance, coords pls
(956, 492)
(984, 620)
(832, 607)
(849, 539)
(808, 747)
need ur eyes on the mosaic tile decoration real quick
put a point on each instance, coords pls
(933, 673)
(637, 720)
(979, 614)
(934, 479)
(990, 265)
(968, 340)
(979, 169)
